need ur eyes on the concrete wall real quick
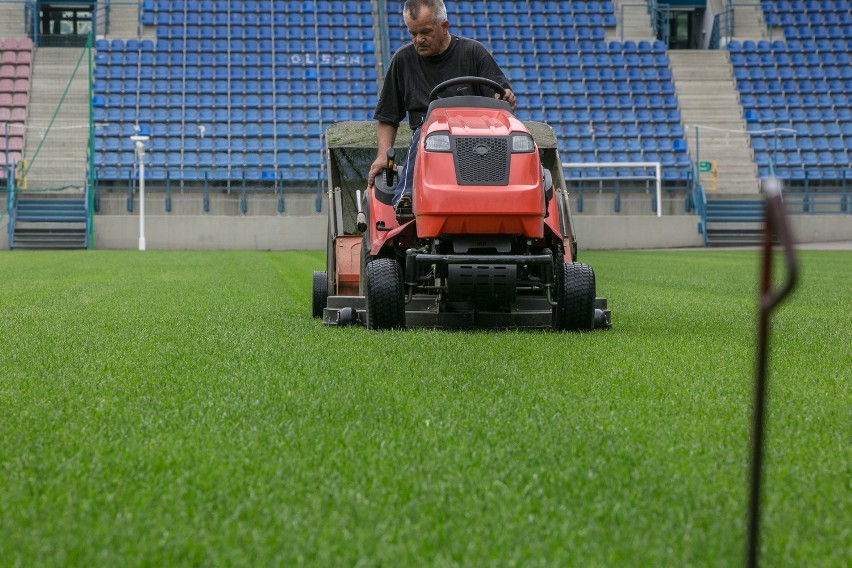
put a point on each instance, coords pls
(290, 232)
(175, 232)
(623, 232)
(187, 226)
(821, 228)
(301, 232)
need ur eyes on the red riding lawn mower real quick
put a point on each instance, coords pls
(487, 243)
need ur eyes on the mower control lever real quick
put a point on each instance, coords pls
(390, 169)
(385, 182)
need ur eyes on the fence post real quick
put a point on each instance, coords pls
(318, 204)
(280, 192)
(130, 187)
(244, 197)
(206, 200)
(616, 206)
(579, 195)
(168, 192)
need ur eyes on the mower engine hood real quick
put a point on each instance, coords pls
(474, 183)
(473, 122)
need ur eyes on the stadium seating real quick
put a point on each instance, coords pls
(796, 94)
(236, 90)
(283, 70)
(233, 90)
(810, 19)
(15, 62)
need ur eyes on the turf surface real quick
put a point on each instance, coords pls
(182, 408)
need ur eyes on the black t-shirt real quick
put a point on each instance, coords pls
(411, 77)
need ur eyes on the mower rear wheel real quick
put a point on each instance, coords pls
(320, 295)
(575, 297)
(385, 294)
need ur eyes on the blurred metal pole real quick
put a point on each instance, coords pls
(776, 228)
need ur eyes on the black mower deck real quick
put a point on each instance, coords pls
(424, 312)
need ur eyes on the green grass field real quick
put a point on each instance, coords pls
(182, 408)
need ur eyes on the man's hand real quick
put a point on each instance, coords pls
(375, 168)
(509, 97)
(385, 134)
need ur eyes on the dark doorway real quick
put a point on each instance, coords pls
(680, 30)
(65, 25)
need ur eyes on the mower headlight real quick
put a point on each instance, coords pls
(438, 142)
(522, 143)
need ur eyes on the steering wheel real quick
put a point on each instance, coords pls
(470, 80)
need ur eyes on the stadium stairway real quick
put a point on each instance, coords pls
(49, 222)
(708, 99)
(733, 222)
(636, 23)
(749, 22)
(11, 19)
(124, 22)
(61, 159)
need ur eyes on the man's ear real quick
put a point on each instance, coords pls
(446, 25)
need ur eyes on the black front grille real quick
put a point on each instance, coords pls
(482, 160)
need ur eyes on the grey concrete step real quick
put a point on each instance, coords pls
(724, 152)
(699, 89)
(12, 20)
(691, 94)
(68, 107)
(706, 125)
(708, 75)
(124, 20)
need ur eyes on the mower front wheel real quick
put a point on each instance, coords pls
(385, 294)
(320, 293)
(575, 298)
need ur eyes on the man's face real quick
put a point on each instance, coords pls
(428, 37)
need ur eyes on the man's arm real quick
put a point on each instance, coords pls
(386, 135)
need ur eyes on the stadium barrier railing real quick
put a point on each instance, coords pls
(245, 191)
